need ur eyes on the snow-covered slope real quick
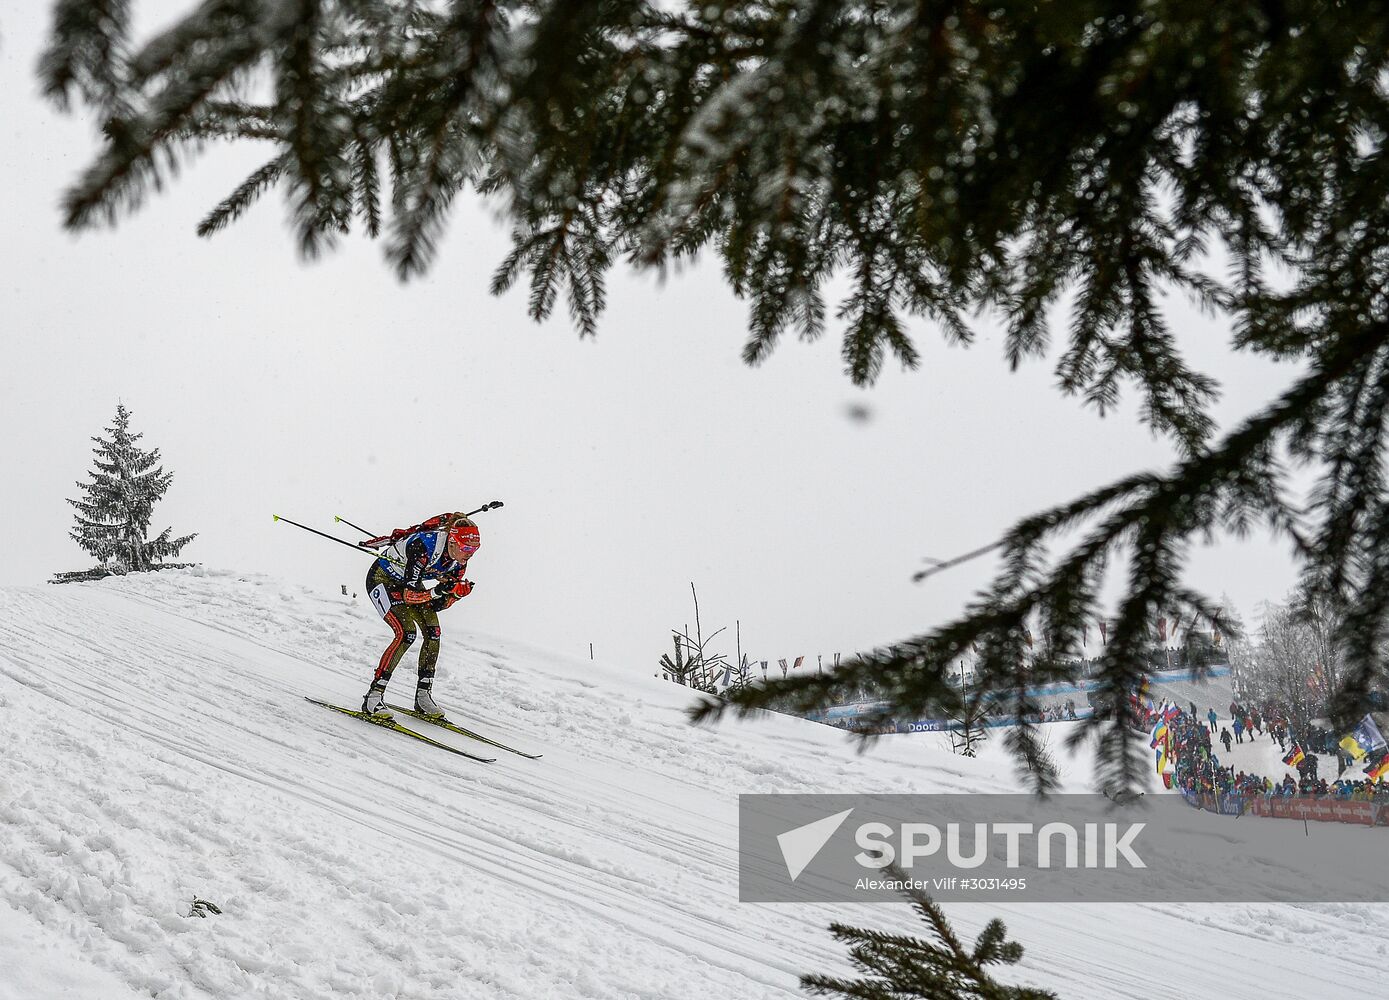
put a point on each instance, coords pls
(157, 746)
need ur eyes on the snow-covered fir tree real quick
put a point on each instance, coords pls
(117, 505)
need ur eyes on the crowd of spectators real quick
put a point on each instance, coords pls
(1197, 768)
(1059, 712)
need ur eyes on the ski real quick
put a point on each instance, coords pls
(398, 728)
(454, 728)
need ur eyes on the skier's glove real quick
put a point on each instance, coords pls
(418, 596)
(444, 597)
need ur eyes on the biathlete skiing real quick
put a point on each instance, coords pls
(436, 551)
(407, 561)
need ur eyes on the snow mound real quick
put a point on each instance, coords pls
(158, 748)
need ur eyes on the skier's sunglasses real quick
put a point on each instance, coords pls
(466, 543)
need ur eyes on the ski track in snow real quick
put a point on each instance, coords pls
(158, 748)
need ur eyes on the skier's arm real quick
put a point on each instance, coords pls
(416, 559)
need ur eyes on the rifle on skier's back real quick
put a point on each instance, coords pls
(436, 523)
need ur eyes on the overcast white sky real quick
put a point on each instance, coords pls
(630, 464)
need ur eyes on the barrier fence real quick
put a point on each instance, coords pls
(1323, 809)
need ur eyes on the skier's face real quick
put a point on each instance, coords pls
(463, 542)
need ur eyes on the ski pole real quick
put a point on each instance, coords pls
(334, 538)
(351, 525)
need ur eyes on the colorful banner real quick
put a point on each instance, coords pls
(1327, 809)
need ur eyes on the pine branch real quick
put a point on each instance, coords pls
(246, 194)
(1151, 517)
(941, 968)
(86, 52)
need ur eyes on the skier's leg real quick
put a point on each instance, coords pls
(403, 639)
(429, 657)
(404, 635)
(384, 597)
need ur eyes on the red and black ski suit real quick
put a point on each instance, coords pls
(396, 585)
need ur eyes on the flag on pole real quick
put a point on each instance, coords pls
(1379, 770)
(1364, 738)
(1159, 734)
(1295, 756)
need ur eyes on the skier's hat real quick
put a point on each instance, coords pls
(464, 538)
